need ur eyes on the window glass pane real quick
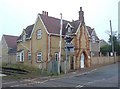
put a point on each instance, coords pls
(18, 56)
(29, 55)
(93, 39)
(56, 56)
(39, 56)
(38, 34)
(22, 56)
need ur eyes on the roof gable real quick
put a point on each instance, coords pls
(11, 40)
(28, 31)
(53, 24)
(90, 30)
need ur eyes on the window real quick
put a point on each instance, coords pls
(56, 56)
(24, 38)
(20, 56)
(93, 39)
(29, 55)
(39, 56)
(69, 29)
(39, 34)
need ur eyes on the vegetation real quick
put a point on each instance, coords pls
(107, 48)
(32, 72)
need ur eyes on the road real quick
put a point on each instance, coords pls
(105, 76)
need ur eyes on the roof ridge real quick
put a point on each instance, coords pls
(10, 35)
(54, 17)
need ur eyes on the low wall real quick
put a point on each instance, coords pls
(8, 59)
(104, 60)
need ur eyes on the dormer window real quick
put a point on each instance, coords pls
(69, 29)
(24, 38)
(39, 34)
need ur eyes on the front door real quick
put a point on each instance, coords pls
(82, 61)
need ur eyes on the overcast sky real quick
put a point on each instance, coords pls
(15, 15)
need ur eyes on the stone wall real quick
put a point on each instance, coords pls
(104, 60)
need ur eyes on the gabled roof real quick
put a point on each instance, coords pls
(53, 24)
(28, 31)
(11, 40)
(90, 30)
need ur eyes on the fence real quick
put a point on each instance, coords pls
(53, 66)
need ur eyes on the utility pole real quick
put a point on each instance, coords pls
(112, 44)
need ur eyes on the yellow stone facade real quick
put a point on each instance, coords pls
(49, 45)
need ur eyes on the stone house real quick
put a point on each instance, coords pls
(38, 43)
(8, 46)
(94, 42)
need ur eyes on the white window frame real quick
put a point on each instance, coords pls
(39, 54)
(39, 34)
(29, 56)
(20, 55)
(56, 56)
(93, 39)
(69, 29)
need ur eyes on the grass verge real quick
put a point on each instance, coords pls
(32, 72)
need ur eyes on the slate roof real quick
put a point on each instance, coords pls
(90, 32)
(11, 43)
(11, 40)
(53, 25)
(28, 31)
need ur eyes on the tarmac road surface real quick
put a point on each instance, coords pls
(105, 76)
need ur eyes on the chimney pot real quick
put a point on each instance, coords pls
(80, 8)
(43, 12)
(47, 14)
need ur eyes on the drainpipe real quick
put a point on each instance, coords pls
(49, 47)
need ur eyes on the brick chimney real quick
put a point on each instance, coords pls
(81, 15)
(44, 13)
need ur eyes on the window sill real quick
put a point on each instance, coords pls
(20, 61)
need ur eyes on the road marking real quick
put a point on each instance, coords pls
(34, 82)
(10, 82)
(79, 86)
(95, 81)
(44, 81)
(2, 75)
(19, 85)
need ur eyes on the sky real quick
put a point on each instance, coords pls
(16, 15)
